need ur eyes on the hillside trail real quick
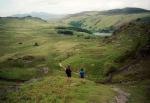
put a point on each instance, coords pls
(122, 96)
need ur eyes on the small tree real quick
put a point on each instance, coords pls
(36, 44)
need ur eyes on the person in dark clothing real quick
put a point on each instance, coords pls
(68, 71)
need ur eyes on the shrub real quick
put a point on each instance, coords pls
(138, 19)
(87, 37)
(20, 43)
(75, 23)
(80, 35)
(36, 44)
(109, 68)
(66, 32)
(78, 29)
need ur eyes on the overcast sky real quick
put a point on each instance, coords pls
(9, 7)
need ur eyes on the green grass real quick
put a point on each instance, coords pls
(19, 73)
(58, 90)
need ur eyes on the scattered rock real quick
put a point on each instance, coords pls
(44, 70)
(34, 80)
(28, 57)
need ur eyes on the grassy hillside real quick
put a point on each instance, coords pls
(58, 90)
(135, 80)
(33, 43)
(39, 45)
(105, 20)
(28, 45)
(134, 76)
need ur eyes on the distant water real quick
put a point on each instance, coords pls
(102, 34)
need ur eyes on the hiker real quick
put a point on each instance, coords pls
(68, 71)
(82, 73)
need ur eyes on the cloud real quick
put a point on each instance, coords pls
(9, 7)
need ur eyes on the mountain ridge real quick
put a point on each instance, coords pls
(127, 10)
(130, 10)
(42, 15)
(48, 16)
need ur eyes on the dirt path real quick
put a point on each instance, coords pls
(122, 96)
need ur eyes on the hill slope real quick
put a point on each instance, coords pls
(59, 90)
(105, 20)
(134, 76)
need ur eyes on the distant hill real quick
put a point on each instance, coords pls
(21, 22)
(127, 10)
(105, 20)
(42, 15)
(23, 19)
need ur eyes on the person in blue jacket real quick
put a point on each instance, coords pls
(82, 73)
